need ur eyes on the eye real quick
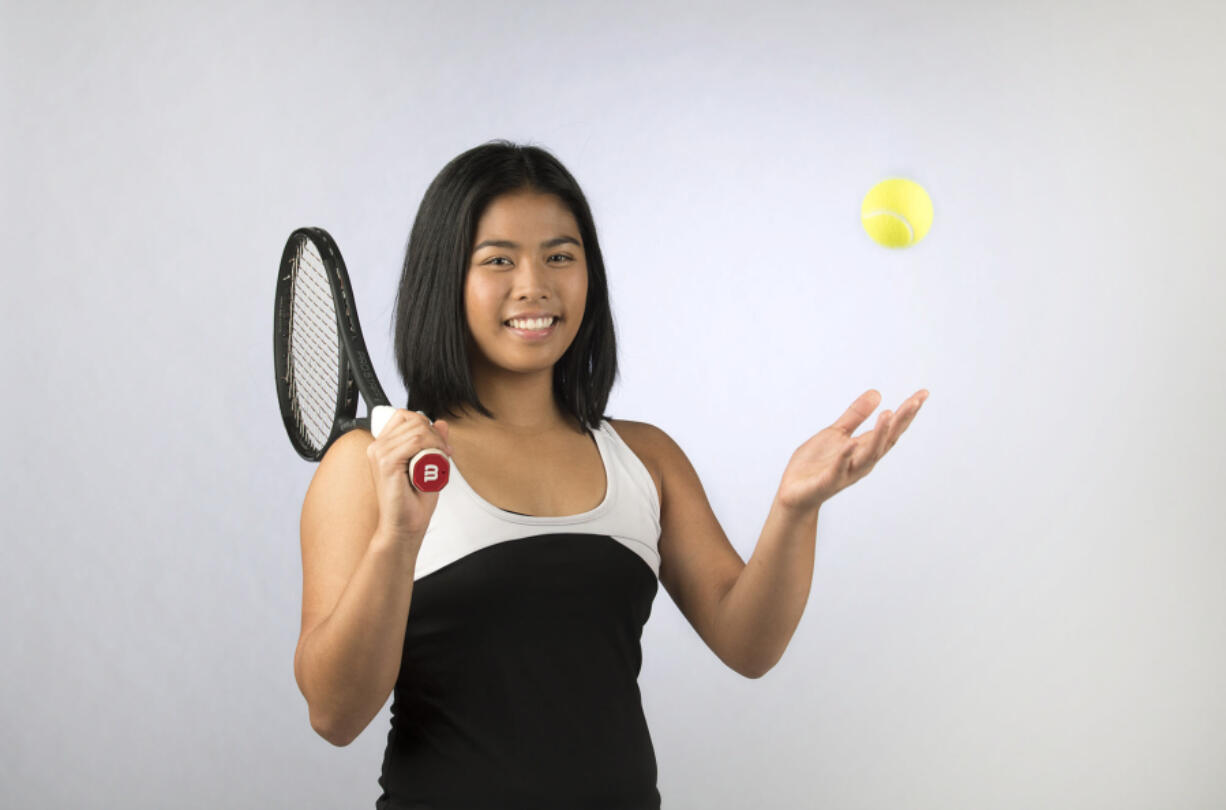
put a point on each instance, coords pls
(554, 256)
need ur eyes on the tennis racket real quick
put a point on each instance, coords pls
(321, 360)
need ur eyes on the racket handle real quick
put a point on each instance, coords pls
(430, 469)
(378, 418)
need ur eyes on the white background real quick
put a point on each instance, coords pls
(1021, 606)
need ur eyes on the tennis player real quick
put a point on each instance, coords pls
(504, 613)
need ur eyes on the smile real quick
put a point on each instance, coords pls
(533, 329)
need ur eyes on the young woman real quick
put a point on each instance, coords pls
(504, 613)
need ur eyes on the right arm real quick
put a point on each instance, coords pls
(357, 574)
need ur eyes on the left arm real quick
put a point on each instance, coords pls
(747, 613)
(760, 612)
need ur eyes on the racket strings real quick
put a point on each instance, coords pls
(320, 339)
(314, 348)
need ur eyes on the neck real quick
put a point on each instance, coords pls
(523, 404)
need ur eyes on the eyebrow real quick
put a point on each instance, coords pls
(548, 243)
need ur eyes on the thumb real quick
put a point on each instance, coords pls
(444, 430)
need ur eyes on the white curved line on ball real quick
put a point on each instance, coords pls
(903, 220)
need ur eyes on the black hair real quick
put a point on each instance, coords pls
(430, 325)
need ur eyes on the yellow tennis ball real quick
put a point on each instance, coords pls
(896, 212)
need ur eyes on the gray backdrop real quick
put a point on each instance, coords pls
(1022, 605)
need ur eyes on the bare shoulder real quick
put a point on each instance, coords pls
(652, 439)
(341, 459)
(342, 489)
(639, 435)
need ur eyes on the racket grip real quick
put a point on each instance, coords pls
(430, 469)
(378, 418)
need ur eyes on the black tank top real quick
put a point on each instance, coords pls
(518, 685)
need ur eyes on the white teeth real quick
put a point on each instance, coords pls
(538, 323)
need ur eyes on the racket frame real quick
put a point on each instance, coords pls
(355, 373)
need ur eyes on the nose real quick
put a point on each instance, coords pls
(532, 279)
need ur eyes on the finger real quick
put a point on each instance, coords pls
(410, 444)
(870, 444)
(409, 424)
(884, 426)
(898, 423)
(438, 429)
(907, 412)
(860, 410)
(400, 423)
(444, 432)
(431, 434)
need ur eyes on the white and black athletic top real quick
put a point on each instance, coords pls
(518, 685)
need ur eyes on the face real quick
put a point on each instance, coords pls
(544, 270)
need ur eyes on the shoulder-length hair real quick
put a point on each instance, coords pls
(430, 326)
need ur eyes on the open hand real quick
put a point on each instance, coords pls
(833, 460)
